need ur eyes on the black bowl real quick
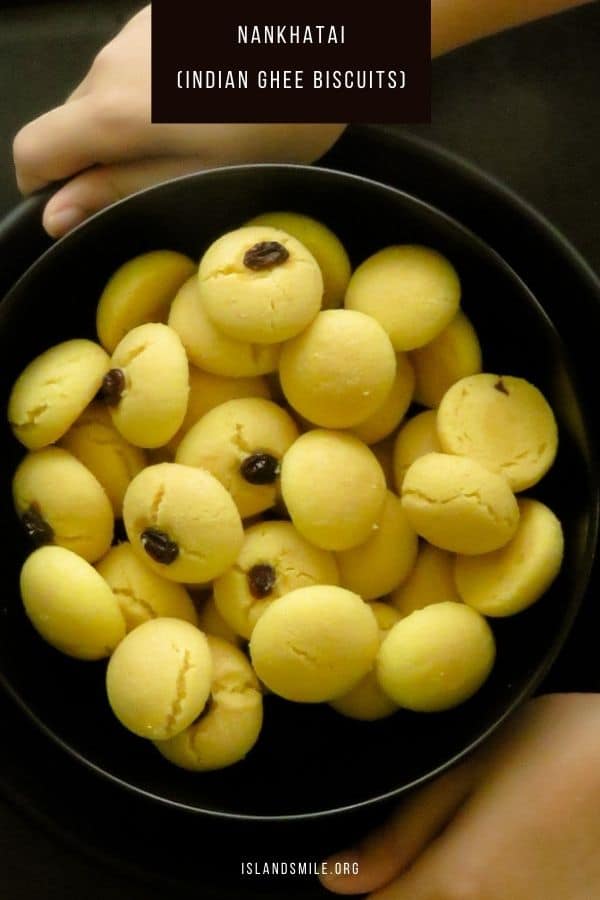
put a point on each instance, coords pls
(309, 761)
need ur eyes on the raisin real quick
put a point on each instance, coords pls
(159, 546)
(261, 580)
(260, 468)
(265, 255)
(113, 385)
(36, 527)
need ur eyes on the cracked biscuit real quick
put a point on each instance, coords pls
(502, 421)
(242, 442)
(260, 285)
(182, 522)
(457, 504)
(230, 724)
(158, 678)
(54, 389)
(274, 560)
(315, 643)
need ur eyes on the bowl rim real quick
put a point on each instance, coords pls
(584, 572)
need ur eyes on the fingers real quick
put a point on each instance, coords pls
(392, 847)
(101, 186)
(71, 138)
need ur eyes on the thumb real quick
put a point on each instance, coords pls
(393, 846)
(100, 186)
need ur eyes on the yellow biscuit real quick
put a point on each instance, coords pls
(326, 248)
(141, 593)
(242, 443)
(149, 403)
(388, 416)
(452, 355)
(514, 577)
(376, 567)
(334, 489)
(366, 701)
(273, 561)
(208, 391)
(70, 605)
(314, 644)
(211, 349)
(158, 679)
(53, 390)
(417, 437)
(182, 522)
(436, 657)
(60, 502)
(230, 724)
(260, 285)
(431, 580)
(457, 504)
(503, 422)
(95, 442)
(412, 291)
(340, 370)
(140, 291)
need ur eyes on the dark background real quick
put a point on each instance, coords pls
(524, 106)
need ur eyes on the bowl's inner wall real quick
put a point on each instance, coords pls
(308, 758)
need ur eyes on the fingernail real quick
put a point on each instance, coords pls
(63, 220)
(342, 865)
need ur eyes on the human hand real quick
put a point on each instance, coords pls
(519, 820)
(102, 139)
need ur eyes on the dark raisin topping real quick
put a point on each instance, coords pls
(36, 528)
(260, 468)
(113, 385)
(261, 580)
(265, 255)
(159, 546)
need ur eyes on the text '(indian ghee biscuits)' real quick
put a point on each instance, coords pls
(340, 370)
(431, 580)
(95, 442)
(158, 679)
(208, 391)
(334, 489)
(376, 567)
(147, 407)
(366, 700)
(503, 422)
(54, 389)
(274, 560)
(141, 593)
(514, 577)
(182, 522)
(260, 285)
(60, 502)
(436, 657)
(70, 605)
(417, 437)
(452, 355)
(242, 442)
(140, 291)
(412, 291)
(314, 644)
(211, 349)
(230, 724)
(324, 245)
(388, 416)
(457, 504)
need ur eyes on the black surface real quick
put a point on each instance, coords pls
(524, 105)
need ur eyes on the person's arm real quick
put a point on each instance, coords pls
(102, 139)
(519, 820)
(457, 22)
